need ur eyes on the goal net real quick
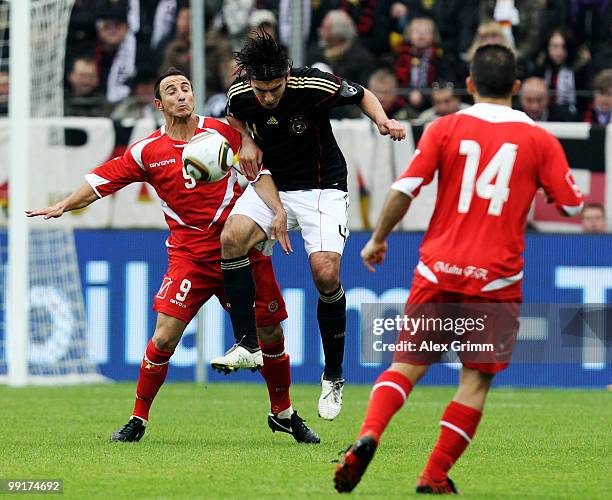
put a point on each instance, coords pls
(57, 348)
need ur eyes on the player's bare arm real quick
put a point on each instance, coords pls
(250, 155)
(266, 189)
(374, 251)
(82, 197)
(371, 106)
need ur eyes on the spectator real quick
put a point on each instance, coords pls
(82, 35)
(340, 48)
(489, 32)
(600, 110)
(4, 91)
(594, 218)
(563, 71)
(215, 105)
(116, 53)
(444, 102)
(537, 19)
(84, 96)
(456, 20)
(535, 102)
(373, 21)
(383, 84)
(139, 104)
(420, 62)
(263, 19)
(182, 30)
(590, 21)
(233, 20)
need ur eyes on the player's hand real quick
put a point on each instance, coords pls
(250, 158)
(51, 212)
(373, 253)
(393, 129)
(278, 231)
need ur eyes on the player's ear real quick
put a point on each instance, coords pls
(158, 104)
(516, 87)
(469, 85)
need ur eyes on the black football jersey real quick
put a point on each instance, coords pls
(296, 137)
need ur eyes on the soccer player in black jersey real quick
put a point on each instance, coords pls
(287, 111)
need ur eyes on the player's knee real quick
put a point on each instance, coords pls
(232, 240)
(270, 334)
(165, 340)
(326, 279)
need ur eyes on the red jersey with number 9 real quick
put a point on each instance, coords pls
(490, 161)
(195, 211)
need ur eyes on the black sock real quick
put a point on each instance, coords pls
(239, 289)
(331, 313)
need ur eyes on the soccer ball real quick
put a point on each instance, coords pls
(208, 157)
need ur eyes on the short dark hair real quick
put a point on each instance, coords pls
(596, 206)
(262, 58)
(493, 71)
(171, 71)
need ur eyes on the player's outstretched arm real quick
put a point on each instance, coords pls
(83, 196)
(266, 189)
(371, 106)
(250, 155)
(396, 206)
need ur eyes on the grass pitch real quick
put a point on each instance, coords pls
(213, 442)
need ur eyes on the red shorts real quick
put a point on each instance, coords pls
(488, 322)
(187, 285)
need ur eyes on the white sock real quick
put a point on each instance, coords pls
(286, 413)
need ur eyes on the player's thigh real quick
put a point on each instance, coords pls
(322, 216)
(269, 304)
(185, 287)
(249, 221)
(494, 343)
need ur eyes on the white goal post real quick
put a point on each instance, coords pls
(42, 317)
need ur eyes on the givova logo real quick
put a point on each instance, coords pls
(162, 163)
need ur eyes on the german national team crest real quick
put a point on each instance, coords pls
(298, 125)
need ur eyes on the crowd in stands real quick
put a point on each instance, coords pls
(413, 54)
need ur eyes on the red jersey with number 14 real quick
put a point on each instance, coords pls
(490, 161)
(195, 211)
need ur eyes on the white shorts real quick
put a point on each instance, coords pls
(321, 215)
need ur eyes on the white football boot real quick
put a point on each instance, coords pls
(330, 401)
(238, 358)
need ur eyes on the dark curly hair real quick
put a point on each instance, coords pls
(262, 58)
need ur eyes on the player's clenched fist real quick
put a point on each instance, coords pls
(250, 158)
(393, 129)
(373, 253)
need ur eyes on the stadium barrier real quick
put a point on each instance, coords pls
(122, 270)
(373, 163)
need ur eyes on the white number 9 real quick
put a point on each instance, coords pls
(184, 288)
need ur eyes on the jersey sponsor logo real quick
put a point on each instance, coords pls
(273, 306)
(272, 121)
(163, 289)
(477, 273)
(298, 125)
(162, 163)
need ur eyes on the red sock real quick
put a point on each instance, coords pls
(277, 374)
(458, 426)
(388, 395)
(153, 372)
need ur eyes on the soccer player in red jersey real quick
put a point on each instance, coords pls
(195, 213)
(490, 161)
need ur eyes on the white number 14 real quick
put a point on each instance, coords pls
(501, 165)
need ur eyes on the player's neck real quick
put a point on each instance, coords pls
(493, 100)
(181, 129)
